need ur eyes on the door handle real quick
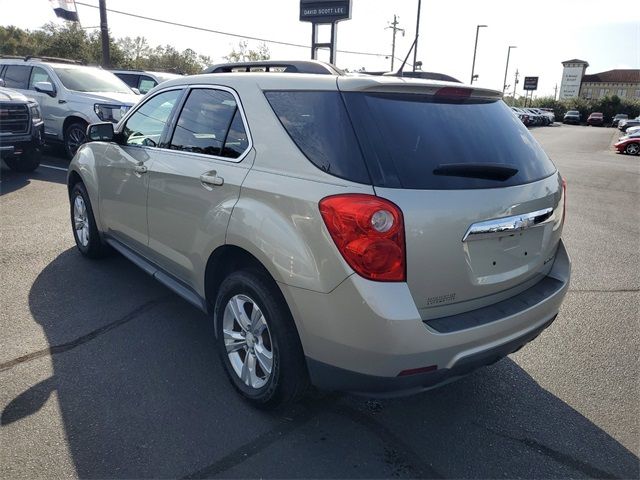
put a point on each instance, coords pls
(140, 169)
(211, 179)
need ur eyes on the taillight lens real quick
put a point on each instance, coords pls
(369, 232)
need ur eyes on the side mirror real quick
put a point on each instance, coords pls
(100, 132)
(2, 84)
(136, 91)
(45, 87)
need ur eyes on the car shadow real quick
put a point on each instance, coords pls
(142, 394)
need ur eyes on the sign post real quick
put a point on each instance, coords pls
(530, 84)
(324, 12)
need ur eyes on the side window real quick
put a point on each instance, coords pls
(17, 76)
(146, 124)
(204, 122)
(146, 84)
(39, 74)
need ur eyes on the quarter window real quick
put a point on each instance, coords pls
(145, 126)
(17, 76)
(210, 123)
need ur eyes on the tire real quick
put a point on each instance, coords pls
(27, 162)
(74, 135)
(632, 149)
(252, 337)
(83, 224)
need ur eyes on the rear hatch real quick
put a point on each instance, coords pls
(482, 202)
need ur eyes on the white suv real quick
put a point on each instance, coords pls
(70, 95)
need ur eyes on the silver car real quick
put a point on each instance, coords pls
(379, 235)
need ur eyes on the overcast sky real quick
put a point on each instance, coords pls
(546, 32)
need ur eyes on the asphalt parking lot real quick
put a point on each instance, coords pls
(106, 373)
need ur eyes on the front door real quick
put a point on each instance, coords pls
(124, 178)
(195, 183)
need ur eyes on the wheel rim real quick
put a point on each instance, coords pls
(75, 138)
(81, 221)
(632, 149)
(247, 340)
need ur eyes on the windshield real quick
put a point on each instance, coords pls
(573, 112)
(90, 79)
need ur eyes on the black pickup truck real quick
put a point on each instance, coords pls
(21, 131)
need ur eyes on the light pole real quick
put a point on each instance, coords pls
(415, 50)
(504, 83)
(475, 49)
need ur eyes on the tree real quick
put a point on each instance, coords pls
(135, 50)
(245, 54)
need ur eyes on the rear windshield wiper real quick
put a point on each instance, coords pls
(487, 171)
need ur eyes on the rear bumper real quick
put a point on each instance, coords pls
(362, 335)
(333, 378)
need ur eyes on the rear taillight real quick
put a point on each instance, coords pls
(369, 232)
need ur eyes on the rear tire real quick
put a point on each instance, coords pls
(83, 224)
(27, 162)
(253, 323)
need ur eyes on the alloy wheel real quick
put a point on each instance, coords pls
(75, 137)
(81, 220)
(632, 149)
(247, 340)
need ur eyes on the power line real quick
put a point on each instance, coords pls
(219, 32)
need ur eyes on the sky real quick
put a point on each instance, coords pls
(545, 32)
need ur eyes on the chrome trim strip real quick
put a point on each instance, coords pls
(508, 225)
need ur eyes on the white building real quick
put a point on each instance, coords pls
(572, 78)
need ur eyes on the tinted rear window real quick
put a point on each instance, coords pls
(319, 125)
(425, 142)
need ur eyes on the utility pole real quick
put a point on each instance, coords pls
(415, 50)
(515, 84)
(504, 83)
(555, 92)
(475, 49)
(394, 26)
(104, 33)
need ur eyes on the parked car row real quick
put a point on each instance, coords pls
(625, 124)
(71, 96)
(534, 117)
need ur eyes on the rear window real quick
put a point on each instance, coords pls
(319, 125)
(425, 142)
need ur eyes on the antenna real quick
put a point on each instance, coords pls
(399, 72)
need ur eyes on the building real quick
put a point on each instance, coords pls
(575, 82)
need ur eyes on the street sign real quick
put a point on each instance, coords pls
(530, 83)
(324, 11)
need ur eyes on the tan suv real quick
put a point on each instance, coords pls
(379, 235)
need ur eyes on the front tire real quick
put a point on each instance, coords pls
(74, 136)
(83, 224)
(632, 149)
(258, 341)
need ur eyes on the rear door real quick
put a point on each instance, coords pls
(124, 170)
(195, 182)
(481, 201)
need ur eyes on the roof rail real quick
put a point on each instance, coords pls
(418, 74)
(280, 66)
(53, 59)
(46, 59)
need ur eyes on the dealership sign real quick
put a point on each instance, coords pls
(530, 83)
(324, 11)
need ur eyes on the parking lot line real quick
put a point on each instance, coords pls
(52, 167)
